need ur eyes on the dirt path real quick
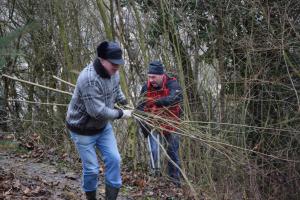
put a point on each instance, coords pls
(27, 178)
(23, 177)
(28, 171)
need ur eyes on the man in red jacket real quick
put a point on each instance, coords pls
(162, 96)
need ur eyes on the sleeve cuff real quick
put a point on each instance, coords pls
(120, 113)
(123, 102)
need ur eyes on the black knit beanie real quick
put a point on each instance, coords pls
(156, 67)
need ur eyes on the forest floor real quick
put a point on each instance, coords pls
(36, 173)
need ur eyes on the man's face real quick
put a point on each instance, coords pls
(110, 67)
(155, 80)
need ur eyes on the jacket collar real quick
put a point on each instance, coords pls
(100, 70)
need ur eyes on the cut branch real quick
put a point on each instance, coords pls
(35, 84)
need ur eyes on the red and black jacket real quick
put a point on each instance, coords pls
(163, 101)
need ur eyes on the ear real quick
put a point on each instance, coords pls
(101, 49)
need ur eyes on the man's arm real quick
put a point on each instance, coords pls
(175, 95)
(120, 98)
(95, 107)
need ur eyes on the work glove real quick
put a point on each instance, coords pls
(127, 114)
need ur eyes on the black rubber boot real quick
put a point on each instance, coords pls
(111, 193)
(90, 195)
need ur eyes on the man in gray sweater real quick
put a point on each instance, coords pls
(88, 119)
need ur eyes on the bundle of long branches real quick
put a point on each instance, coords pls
(197, 130)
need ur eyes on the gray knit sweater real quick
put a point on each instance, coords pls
(92, 103)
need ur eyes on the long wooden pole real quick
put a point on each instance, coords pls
(41, 103)
(38, 85)
(63, 81)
